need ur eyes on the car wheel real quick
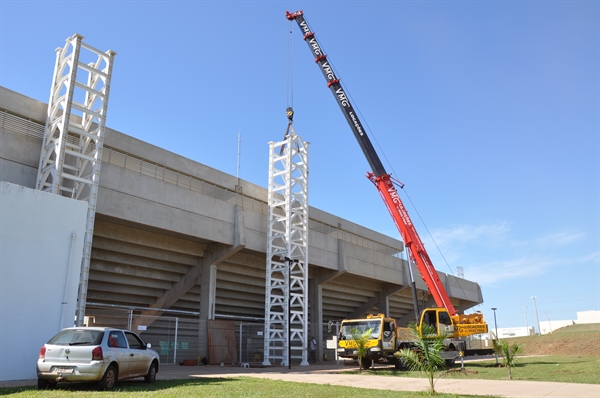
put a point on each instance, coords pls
(109, 379)
(151, 376)
(42, 384)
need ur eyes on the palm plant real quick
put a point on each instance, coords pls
(509, 354)
(361, 340)
(425, 354)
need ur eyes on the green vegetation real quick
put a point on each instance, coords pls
(212, 387)
(426, 356)
(361, 340)
(578, 363)
(509, 353)
(538, 368)
(568, 355)
(574, 340)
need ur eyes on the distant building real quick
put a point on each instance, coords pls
(504, 333)
(546, 327)
(588, 317)
(583, 317)
(550, 326)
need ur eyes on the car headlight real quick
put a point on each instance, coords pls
(340, 350)
(375, 349)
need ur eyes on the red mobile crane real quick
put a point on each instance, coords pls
(461, 325)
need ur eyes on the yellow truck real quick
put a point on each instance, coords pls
(386, 337)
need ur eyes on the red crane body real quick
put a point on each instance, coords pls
(379, 176)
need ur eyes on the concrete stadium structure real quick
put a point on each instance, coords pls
(172, 234)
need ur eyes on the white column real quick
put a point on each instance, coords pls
(286, 295)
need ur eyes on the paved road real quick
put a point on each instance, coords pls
(331, 374)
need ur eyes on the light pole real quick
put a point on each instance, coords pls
(549, 324)
(496, 326)
(536, 314)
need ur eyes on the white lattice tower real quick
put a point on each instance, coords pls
(74, 135)
(286, 296)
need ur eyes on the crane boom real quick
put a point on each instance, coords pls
(378, 176)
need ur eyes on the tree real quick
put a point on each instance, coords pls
(425, 354)
(509, 354)
(361, 340)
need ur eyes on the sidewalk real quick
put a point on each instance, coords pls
(331, 374)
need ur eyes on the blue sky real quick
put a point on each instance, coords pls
(488, 111)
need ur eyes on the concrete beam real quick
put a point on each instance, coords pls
(171, 261)
(380, 299)
(145, 238)
(206, 269)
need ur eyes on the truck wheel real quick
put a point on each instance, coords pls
(399, 364)
(366, 362)
(450, 362)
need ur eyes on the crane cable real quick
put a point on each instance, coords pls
(401, 186)
(430, 234)
(289, 78)
(290, 40)
(289, 92)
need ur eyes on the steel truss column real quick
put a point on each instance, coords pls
(74, 135)
(286, 296)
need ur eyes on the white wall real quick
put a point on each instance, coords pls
(550, 326)
(504, 333)
(41, 245)
(588, 317)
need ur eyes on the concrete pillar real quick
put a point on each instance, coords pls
(383, 303)
(208, 277)
(208, 289)
(315, 294)
(315, 302)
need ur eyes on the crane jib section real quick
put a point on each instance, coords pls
(340, 95)
(413, 242)
(379, 176)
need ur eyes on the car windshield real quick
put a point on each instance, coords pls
(359, 328)
(77, 337)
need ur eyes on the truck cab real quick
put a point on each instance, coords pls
(382, 341)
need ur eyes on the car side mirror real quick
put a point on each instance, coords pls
(148, 345)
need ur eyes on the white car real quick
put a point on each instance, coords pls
(100, 354)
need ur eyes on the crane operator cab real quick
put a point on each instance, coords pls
(439, 319)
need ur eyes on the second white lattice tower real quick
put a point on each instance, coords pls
(286, 296)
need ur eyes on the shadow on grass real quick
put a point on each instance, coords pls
(125, 385)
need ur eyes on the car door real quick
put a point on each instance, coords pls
(140, 358)
(119, 351)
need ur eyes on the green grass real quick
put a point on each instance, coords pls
(545, 368)
(539, 368)
(579, 363)
(574, 340)
(213, 387)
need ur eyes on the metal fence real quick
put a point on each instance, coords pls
(174, 338)
(250, 337)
